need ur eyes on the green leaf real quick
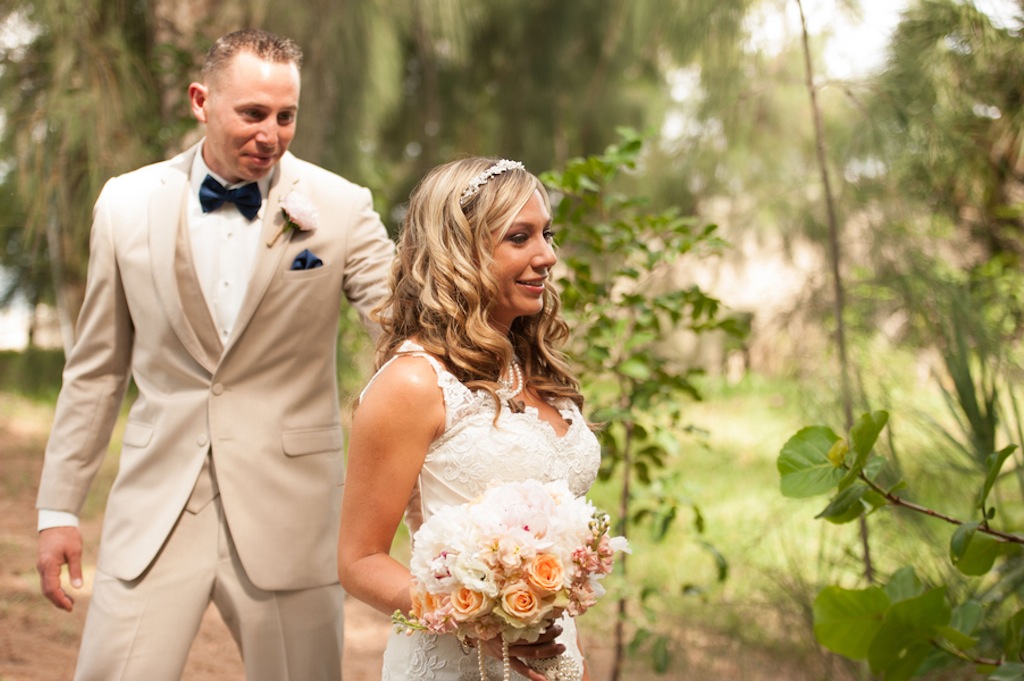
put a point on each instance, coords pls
(957, 638)
(845, 506)
(635, 368)
(874, 466)
(967, 616)
(662, 523)
(1013, 636)
(639, 639)
(961, 539)
(846, 621)
(720, 562)
(903, 641)
(804, 466)
(904, 584)
(906, 664)
(660, 656)
(979, 556)
(1008, 671)
(993, 463)
(865, 432)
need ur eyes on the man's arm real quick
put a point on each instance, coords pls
(369, 261)
(95, 379)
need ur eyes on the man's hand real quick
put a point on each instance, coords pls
(57, 546)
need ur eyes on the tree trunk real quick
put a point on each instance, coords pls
(834, 259)
(624, 499)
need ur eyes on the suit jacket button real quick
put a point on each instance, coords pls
(217, 389)
(201, 440)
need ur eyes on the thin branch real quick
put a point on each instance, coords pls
(903, 503)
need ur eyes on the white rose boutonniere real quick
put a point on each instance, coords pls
(299, 214)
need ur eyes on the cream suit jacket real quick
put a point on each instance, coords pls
(265, 403)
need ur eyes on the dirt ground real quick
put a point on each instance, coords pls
(40, 643)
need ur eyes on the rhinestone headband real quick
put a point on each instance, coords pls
(481, 179)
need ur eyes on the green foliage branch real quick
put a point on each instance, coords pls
(618, 257)
(905, 628)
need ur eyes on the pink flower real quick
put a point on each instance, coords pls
(300, 212)
(586, 558)
(300, 215)
(581, 598)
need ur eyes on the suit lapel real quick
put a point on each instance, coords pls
(269, 258)
(167, 217)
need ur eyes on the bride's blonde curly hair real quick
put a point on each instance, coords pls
(441, 288)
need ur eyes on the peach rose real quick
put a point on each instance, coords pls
(468, 604)
(423, 603)
(522, 605)
(545, 574)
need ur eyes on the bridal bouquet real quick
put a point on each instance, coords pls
(508, 564)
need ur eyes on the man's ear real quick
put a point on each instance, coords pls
(198, 97)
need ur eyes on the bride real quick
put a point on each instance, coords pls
(471, 390)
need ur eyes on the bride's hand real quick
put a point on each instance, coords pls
(545, 646)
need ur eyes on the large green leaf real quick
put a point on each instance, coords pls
(967, 616)
(904, 584)
(804, 466)
(904, 639)
(846, 621)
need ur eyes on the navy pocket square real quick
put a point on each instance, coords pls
(306, 261)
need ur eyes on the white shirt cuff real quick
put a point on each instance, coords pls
(48, 519)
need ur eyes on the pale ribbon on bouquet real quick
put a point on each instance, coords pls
(558, 668)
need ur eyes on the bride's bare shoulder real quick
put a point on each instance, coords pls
(408, 375)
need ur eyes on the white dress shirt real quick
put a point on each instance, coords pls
(224, 248)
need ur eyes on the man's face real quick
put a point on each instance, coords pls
(249, 109)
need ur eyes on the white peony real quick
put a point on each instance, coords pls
(300, 211)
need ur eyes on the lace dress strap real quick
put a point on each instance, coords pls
(452, 390)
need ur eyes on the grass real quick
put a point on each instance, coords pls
(779, 556)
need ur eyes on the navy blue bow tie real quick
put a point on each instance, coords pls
(212, 196)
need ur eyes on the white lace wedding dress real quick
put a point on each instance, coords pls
(471, 454)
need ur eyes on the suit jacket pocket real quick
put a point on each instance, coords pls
(312, 441)
(137, 434)
(306, 275)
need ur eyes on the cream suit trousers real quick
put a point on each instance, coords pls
(142, 630)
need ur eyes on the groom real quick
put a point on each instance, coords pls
(215, 283)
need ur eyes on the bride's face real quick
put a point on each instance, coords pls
(522, 261)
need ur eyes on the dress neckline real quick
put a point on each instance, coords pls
(530, 411)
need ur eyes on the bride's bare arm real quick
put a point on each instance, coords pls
(400, 415)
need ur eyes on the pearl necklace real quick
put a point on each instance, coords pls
(513, 385)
